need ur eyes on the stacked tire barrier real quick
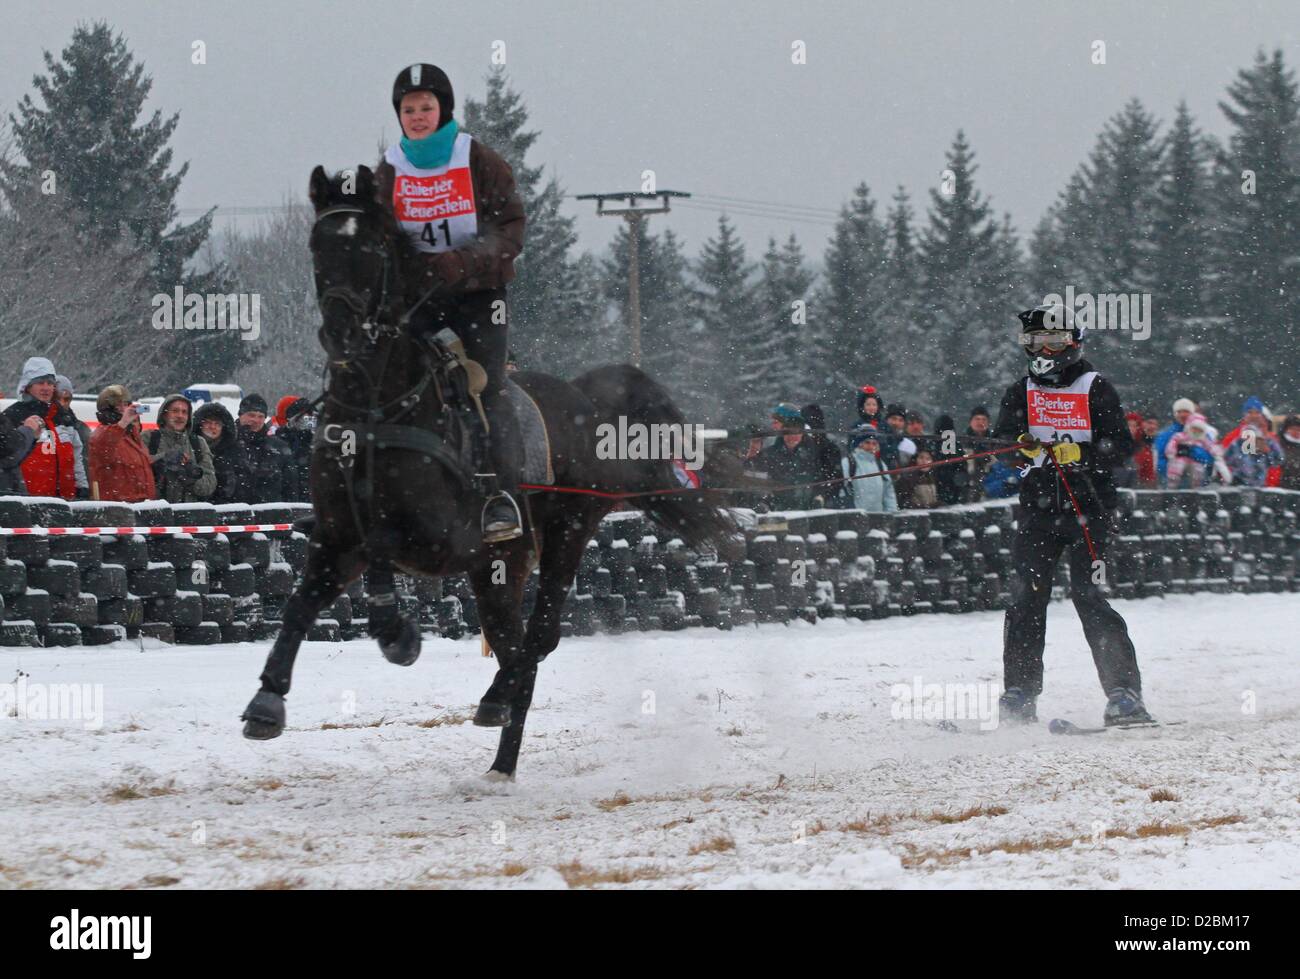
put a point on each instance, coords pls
(212, 588)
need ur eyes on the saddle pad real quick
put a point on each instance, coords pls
(532, 432)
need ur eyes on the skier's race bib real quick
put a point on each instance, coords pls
(1059, 414)
(435, 207)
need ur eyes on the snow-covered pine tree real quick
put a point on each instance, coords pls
(780, 355)
(972, 290)
(904, 364)
(850, 333)
(1181, 267)
(727, 310)
(556, 324)
(114, 169)
(1256, 240)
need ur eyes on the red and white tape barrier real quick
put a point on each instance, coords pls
(248, 528)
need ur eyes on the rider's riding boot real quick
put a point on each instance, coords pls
(501, 521)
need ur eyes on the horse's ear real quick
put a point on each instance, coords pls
(318, 188)
(366, 185)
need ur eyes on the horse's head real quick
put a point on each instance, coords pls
(355, 254)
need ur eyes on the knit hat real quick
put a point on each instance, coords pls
(979, 410)
(62, 384)
(1252, 404)
(253, 402)
(788, 413)
(1133, 416)
(1184, 404)
(864, 432)
(108, 406)
(895, 409)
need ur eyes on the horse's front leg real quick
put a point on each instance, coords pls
(326, 575)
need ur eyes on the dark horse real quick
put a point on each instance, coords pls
(390, 467)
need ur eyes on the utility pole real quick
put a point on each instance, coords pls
(634, 216)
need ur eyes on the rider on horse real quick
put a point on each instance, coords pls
(457, 200)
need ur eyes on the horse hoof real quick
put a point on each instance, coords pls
(491, 715)
(264, 716)
(404, 648)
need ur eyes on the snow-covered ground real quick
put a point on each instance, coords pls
(761, 757)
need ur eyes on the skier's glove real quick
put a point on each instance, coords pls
(1031, 449)
(1067, 453)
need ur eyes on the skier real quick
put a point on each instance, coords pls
(1073, 425)
(457, 199)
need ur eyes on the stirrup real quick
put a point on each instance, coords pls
(499, 531)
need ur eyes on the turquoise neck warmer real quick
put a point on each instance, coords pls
(434, 150)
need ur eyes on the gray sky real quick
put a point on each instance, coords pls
(703, 93)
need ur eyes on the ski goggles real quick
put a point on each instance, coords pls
(1048, 340)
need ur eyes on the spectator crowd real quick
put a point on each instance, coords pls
(194, 454)
(893, 459)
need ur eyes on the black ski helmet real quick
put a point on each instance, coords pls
(425, 78)
(1047, 365)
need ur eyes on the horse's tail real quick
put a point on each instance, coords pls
(698, 516)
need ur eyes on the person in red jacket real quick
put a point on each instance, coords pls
(120, 468)
(1143, 460)
(52, 467)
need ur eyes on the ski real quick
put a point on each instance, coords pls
(1058, 725)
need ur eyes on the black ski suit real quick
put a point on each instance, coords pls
(1048, 525)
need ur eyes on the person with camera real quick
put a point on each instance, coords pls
(182, 462)
(120, 467)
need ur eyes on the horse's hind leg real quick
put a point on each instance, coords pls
(324, 579)
(565, 538)
(499, 613)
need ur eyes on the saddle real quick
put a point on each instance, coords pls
(536, 466)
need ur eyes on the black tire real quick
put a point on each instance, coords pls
(235, 632)
(19, 634)
(33, 605)
(203, 634)
(55, 577)
(79, 610)
(238, 580)
(102, 635)
(104, 581)
(158, 630)
(61, 634)
(13, 577)
(131, 553)
(29, 550)
(85, 551)
(218, 608)
(157, 581)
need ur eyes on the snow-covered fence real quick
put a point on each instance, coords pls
(72, 589)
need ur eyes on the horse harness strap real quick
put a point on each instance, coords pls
(382, 436)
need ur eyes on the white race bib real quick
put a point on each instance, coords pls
(435, 207)
(1059, 414)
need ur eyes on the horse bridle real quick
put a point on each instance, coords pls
(373, 321)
